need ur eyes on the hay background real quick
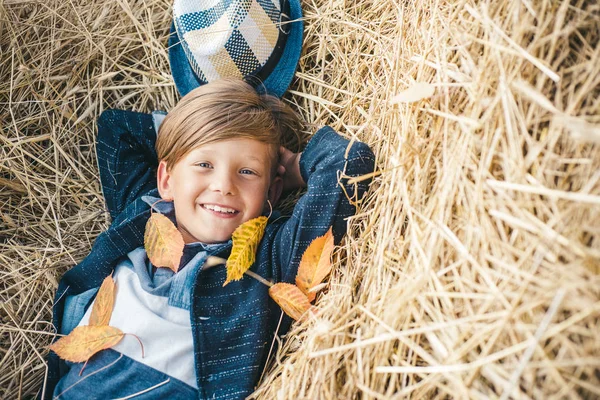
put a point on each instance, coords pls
(472, 270)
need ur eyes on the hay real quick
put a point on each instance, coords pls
(472, 270)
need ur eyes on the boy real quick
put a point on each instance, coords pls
(220, 164)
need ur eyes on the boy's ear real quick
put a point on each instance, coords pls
(163, 181)
(275, 190)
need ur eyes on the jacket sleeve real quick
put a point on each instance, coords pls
(326, 165)
(127, 159)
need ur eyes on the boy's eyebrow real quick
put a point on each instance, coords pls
(250, 157)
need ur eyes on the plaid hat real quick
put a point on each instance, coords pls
(258, 40)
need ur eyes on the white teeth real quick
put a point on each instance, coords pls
(220, 209)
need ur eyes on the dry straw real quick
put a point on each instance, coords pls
(472, 269)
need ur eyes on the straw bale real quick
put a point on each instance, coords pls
(472, 267)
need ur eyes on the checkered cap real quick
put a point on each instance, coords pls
(228, 38)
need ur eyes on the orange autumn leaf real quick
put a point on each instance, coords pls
(246, 238)
(290, 298)
(315, 264)
(163, 242)
(103, 305)
(85, 341)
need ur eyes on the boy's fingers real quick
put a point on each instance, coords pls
(284, 152)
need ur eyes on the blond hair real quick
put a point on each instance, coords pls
(221, 110)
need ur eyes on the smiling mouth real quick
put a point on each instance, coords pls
(225, 211)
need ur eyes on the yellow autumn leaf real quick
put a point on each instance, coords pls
(103, 305)
(246, 238)
(85, 341)
(315, 264)
(163, 242)
(290, 298)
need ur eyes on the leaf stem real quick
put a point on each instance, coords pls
(270, 209)
(139, 340)
(155, 203)
(258, 278)
(275, 338)
(82, 368)
(213, 261)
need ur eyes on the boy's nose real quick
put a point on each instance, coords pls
(223, 183)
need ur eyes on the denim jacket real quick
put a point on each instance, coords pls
(232, 326)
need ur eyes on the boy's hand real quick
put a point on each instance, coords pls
(289, 169)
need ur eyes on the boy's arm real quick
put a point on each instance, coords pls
(325, 165)
(127, 158)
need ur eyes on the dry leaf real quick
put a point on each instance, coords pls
(245, 241)
(315, 264)
(103, 305)
(85, 341)
(163, 242)
(290, 298)
(418, 91)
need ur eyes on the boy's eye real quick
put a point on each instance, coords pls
(246, 171)
(203, 165)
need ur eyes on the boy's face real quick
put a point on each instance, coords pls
(218, 186)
